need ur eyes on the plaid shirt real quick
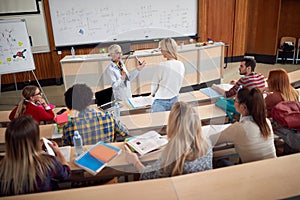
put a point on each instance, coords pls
(93, 126)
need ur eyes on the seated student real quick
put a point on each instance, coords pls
(92, 125)
(25, 168)
(253, 135)
(250, 79)
(33, 104)
(187, 151)
(280, 89)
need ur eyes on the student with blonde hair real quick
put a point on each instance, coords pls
(168, 77)
(119, 75)
(25, 168)
(33, 104)
(280, 89)
(252, 136)
(187, 150)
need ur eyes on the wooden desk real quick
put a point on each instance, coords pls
(4, 117)
(202, 64)
(295, 78)
(276, 178)
(159, 119)
(193, 97)
(268, 179)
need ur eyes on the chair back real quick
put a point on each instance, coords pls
(288, 39)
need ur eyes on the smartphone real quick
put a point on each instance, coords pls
(137, 58)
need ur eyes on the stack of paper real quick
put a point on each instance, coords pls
(140, 102)
(216, 90)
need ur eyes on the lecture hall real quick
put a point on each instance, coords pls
(182, 99)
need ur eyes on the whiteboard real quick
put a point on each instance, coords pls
(78, 22)
(15, 51)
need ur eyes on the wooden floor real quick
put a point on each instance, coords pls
(55, 94)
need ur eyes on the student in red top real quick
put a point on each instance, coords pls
(250, 79)
(33, 104)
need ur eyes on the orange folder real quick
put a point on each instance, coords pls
(103, 153)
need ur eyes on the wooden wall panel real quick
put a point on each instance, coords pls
(263, 25)
(240, 27)
(220, 21)
(289, 23)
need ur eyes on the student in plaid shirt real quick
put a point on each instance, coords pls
(92, 125)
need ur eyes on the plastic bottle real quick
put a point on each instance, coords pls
(73, 52)
(77, 140)
(117, 111)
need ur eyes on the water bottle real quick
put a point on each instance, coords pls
(77, 140)
(117, 111)
(73, 52)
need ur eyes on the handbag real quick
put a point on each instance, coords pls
(287, 113)
(228, 106)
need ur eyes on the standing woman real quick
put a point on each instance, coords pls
(33, 104)
(119, 76)
(168, 78)
(280, 89)
(187, 151)
(25, 168)
(252, 136)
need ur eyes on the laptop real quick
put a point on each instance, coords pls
(104, 98)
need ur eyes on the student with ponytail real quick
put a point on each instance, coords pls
(253, 135)
(33, 104)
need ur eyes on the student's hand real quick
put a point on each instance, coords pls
(130, 156)
(233, 82)
(141, 65)
(60, 157)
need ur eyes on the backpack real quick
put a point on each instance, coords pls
(228, 106)
(287, 114)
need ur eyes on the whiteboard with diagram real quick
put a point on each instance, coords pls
(15, 50)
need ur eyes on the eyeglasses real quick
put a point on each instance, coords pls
(38, 94)
(119, 53)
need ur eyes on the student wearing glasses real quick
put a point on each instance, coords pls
(119, 76)
(33, 104)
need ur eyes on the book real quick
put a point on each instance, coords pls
(62, 118)
(97, 157)
(49, 150)
(221, 88)
(140, 102)
(146, 143)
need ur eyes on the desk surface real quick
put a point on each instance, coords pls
(160, 119)
(268, 179)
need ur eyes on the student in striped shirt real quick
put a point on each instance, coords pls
(249, 80)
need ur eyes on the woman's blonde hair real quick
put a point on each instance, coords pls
(169, 45)
(27, 92)
(186, 142)
(23, 162)
(278, 81)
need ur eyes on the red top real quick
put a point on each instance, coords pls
(272, 100)
(37, 113)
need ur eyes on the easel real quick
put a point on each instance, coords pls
(39, 85)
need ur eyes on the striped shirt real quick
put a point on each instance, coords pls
(93, 126)
(254, 80)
